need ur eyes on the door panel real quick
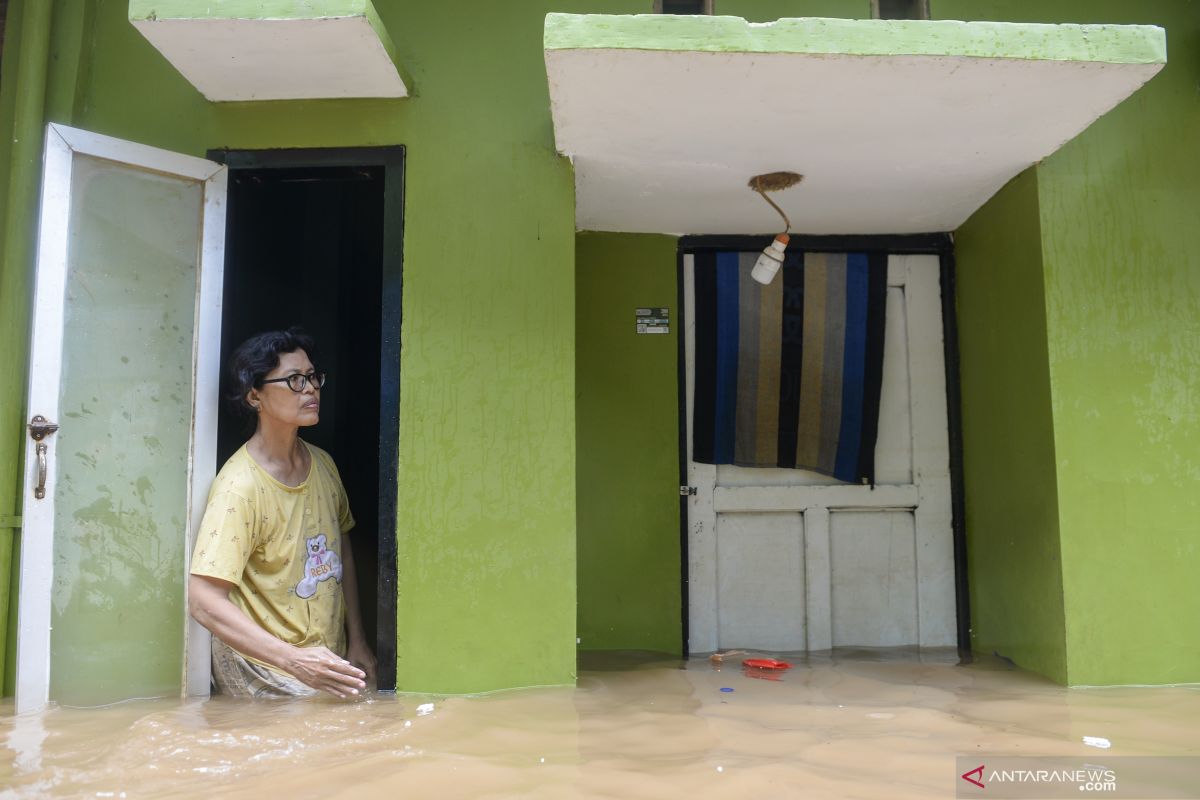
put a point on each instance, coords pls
(124, 334)
(873, 569)
(875, 564)
(122, 451)
(760, 581)
(894, 445)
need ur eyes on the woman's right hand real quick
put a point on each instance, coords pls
(325, 670)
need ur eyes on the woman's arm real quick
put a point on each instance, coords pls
(358, 648)
(318, 667)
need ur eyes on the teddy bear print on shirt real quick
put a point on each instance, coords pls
(321, 565)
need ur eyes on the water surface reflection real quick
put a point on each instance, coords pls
(853, 724)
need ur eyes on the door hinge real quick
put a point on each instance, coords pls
(687, 491)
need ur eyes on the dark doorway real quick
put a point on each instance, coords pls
(312, 238)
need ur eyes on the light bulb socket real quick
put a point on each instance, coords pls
(770, 260)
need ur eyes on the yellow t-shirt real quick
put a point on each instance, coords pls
(281, 547)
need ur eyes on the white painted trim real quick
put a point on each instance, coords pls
(141, 155)
(800, 497)
(37, 540)
(202, 462)
(931, 465)
(703, 620)
(37, 532)
(818, 579)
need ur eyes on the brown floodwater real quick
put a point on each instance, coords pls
(847, 724)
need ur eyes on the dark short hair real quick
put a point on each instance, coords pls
(254, 359)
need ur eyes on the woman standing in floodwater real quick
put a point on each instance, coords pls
(270, 577)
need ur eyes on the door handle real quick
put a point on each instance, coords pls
(39, 429)
(40, 490)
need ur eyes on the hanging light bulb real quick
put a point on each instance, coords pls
(770, 260)
(772, 256)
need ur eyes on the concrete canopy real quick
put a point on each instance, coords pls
(897, 126)
(274, 49)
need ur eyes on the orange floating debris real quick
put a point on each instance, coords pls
(765, 663)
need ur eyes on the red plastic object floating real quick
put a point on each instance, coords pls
(765, 663)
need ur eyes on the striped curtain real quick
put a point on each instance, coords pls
(789, 374)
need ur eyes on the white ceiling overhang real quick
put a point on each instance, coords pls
(897, 126)
(274, 49)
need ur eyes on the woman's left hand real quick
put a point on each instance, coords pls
(359, 654)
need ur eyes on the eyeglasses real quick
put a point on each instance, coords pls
(296, 381)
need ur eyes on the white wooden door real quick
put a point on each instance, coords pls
(785, 560)
(124, 360)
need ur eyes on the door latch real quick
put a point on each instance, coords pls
(39, 429)
(687, 491)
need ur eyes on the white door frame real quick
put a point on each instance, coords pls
(37, 535)
(928, 497)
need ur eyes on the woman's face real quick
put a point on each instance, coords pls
(276, 401)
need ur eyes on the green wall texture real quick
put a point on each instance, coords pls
(770, 10)
(1121, 255)
(627, 425)
(28, 33)
(14, 306)
(1125, 364)
(1082, 513)
(487, 456)
(1009, 478)
(1105, 478)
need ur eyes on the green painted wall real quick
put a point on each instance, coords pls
(32, 39)
(1090, 499)
(1119, 311)
(1125, 364)
(13, 310)
(489, 476)
(1009, 476)
(1121, 254)
(627, 426)
(8, 97)
(771, 10)
(487, 511)
(1112, 44)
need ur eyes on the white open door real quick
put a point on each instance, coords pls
(785, 559)
(123, 397)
